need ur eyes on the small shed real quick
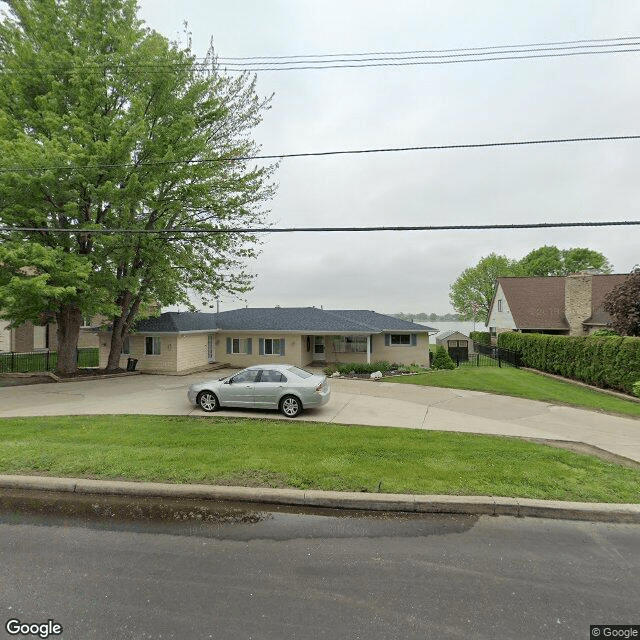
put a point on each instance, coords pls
(457, 344)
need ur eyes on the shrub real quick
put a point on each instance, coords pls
(359, 367)
(481, 337)
(442, 359)
(598, 333)
(604, 361)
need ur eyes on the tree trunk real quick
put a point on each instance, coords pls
(117, 338)
(121, 325)
(69, 319)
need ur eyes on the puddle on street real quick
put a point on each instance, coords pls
(217, 519)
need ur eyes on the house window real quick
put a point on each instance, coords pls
(271, 346)
(239, 345)
(126, 346)
(400, 339)
(500, 305)
(350, 344)
(152, 346)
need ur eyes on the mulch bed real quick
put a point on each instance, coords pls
(18, 379)
(9, 380)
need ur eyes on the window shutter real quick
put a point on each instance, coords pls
(249, 346)
(387, 339)
(281, 346)
(261, 344)
(414, 339)
(228, 345)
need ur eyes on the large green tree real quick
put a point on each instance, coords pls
(551, 261)
(105, 125)
(472, 291)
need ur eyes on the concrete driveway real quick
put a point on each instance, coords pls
(360, 402)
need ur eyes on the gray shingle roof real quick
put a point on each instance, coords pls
(303, 319)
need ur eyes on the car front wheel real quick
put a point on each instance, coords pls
(207, 401)
(290, 406)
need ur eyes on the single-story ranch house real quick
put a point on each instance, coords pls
(175, 342)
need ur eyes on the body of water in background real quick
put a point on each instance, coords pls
(463, 326)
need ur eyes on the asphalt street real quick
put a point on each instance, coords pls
(278, 575)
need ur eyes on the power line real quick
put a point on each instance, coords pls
(585, 42)
(250, 230)
(378, 59)
(310, 154)
(422, 63)
(429, 59)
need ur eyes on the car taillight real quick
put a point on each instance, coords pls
(320, 387)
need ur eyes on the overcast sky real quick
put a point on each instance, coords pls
(322, 110)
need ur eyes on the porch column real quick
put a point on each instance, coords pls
(368, 349)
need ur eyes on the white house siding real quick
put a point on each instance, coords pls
(501, 319)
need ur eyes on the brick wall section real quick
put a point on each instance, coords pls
(577, 302)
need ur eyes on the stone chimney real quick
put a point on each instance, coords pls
(577, 301)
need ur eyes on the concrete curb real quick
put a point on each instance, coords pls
(470, 505)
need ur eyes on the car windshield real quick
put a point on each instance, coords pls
(301, 373)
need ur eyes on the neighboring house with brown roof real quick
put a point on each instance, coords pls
(564, 305)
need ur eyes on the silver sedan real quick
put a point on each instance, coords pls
(270, 386)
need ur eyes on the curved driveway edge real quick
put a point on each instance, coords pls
(470, 505)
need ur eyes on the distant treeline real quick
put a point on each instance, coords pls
(431, 317)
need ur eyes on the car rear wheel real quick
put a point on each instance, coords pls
(207, 401)
(290, 406)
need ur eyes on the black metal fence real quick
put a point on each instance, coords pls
(488, 356)
(34, 361)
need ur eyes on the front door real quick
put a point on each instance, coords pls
(318, 348)
(211, 348)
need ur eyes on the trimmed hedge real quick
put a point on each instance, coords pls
(607, 361)
(481, 337)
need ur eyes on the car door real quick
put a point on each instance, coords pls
(269, 388)
(239, 390)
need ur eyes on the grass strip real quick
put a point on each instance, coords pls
(274, 453)
(522, 384)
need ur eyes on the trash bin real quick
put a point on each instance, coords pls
(131, 364)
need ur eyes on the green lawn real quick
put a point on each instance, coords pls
(278, 453)
(522, 384)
